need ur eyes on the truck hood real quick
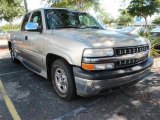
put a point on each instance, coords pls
(102, 38)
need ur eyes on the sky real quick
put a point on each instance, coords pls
(111, 6)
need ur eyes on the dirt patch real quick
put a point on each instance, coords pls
(156, 65)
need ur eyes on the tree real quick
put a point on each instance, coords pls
(144, 8)
(10, 11)
(82, 5)
(105, 17)
(8, 1)
(25, 5)
(125, 18)
(156, 21)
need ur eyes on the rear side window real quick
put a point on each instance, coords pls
(25, 20)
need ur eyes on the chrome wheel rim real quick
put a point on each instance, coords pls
(61, 81)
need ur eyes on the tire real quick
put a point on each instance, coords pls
(12, 53)
(63, 79)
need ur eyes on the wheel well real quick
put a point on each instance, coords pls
(49, 60)
(9, 45)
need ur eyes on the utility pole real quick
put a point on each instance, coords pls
(25, 5)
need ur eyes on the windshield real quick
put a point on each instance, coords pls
(66, 19)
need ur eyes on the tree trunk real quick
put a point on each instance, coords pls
(25, 5)
(145, 18)
(11, 27)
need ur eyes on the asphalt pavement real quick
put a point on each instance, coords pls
(27, 96)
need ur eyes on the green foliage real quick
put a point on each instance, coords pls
(105, 17)
(8, 27)
(144, 33)
(155, 52)
(8, 1)
(154, 42)
(156, 21)
(10, 11)
(82, 5)
(124, 18)
(144, 8)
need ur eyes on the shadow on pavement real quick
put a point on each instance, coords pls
(34, 98)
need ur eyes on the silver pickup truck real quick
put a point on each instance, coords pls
(80, 57)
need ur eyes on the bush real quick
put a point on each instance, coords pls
(144, 34)
(8, 27)
(155, 51)
(155, 47)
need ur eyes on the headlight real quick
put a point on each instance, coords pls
(98, 52)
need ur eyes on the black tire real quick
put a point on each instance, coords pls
(61, 64)
(12, 53)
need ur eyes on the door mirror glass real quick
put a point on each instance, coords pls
(31, 26)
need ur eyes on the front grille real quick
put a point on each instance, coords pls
(130, 62)
(130, 50)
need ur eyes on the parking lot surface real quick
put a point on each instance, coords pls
(27, 96)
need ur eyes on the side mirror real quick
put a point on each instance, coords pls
(31, 26)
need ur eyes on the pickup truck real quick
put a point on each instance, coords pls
(77, 54)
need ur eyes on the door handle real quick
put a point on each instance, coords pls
(26, 38)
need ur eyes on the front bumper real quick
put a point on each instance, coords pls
(97, 82)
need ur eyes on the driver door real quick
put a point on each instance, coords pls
(35, 42)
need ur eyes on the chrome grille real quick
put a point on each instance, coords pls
(130, 50)
(130, 62)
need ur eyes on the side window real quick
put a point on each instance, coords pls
(37, 18)
(25, 20)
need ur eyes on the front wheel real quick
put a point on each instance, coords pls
(63, 80)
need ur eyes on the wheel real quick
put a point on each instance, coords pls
(12, 53)
(63, 80)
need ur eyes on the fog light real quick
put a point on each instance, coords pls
(109, 65)
(104, 66)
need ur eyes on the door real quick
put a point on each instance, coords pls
(35, 42)
(19, 42)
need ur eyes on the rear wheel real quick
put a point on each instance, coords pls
(62, 79)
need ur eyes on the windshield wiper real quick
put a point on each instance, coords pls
(62, 27)
(92, 27)
(81, 27)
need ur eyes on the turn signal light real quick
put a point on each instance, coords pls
(88, 66)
